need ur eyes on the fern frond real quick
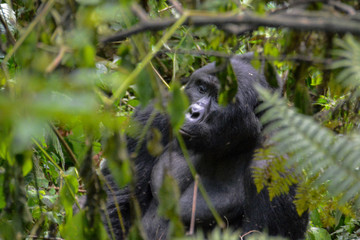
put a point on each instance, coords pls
(335, 159)
(274, 175)
(349, 54)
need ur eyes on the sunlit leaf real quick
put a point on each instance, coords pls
(77, 229)
(318, 234)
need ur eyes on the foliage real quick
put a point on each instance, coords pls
(66, 99)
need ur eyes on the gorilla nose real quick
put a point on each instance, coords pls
(196, 112)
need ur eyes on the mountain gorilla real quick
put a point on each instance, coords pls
(221, 141)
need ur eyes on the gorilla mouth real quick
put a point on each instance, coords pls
(185, 134)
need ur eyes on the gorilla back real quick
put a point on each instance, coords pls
(221, 141)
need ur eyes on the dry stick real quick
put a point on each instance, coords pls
(165, 9)
(298, 21)
(192, 222)
(159, 76)
(203, 192)
(57, 60)
(177, 6)
(249, 232)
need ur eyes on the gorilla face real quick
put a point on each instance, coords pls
(211, 127)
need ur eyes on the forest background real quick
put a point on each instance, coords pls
(73, 71)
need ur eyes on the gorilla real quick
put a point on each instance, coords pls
(221, 141)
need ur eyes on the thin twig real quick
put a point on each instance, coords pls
(57, 60)
(193, 210)
(113, 194)
(165, 9)
(249, 232)
(159, 76)
(46, 238)
(58, 189)
(63, 142)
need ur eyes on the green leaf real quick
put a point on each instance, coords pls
(313, 147)
(271, 75)
(144, 88)
(68, 191)
(154, 145)
(121, 171)
(315, 233)
(27, 164)
(88, 56)
(228, 83)
(177, 106)
(302, 99)
(169, 195)
(118, 160)
(78, 228)
(73, 229)
(315, 218)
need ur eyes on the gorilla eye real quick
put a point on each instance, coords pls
(202, 88)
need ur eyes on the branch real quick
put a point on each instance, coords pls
(45, 238)
(306, 22)
(295, 58)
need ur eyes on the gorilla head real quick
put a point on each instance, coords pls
(211, 127)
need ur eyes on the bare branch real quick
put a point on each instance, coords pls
(296, 58)
(177, 6)
(304, 22)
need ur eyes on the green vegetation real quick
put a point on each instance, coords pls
(69, 83)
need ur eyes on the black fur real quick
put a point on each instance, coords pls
(221, 141)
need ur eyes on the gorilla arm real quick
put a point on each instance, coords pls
(222, 178)
(226, 197)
